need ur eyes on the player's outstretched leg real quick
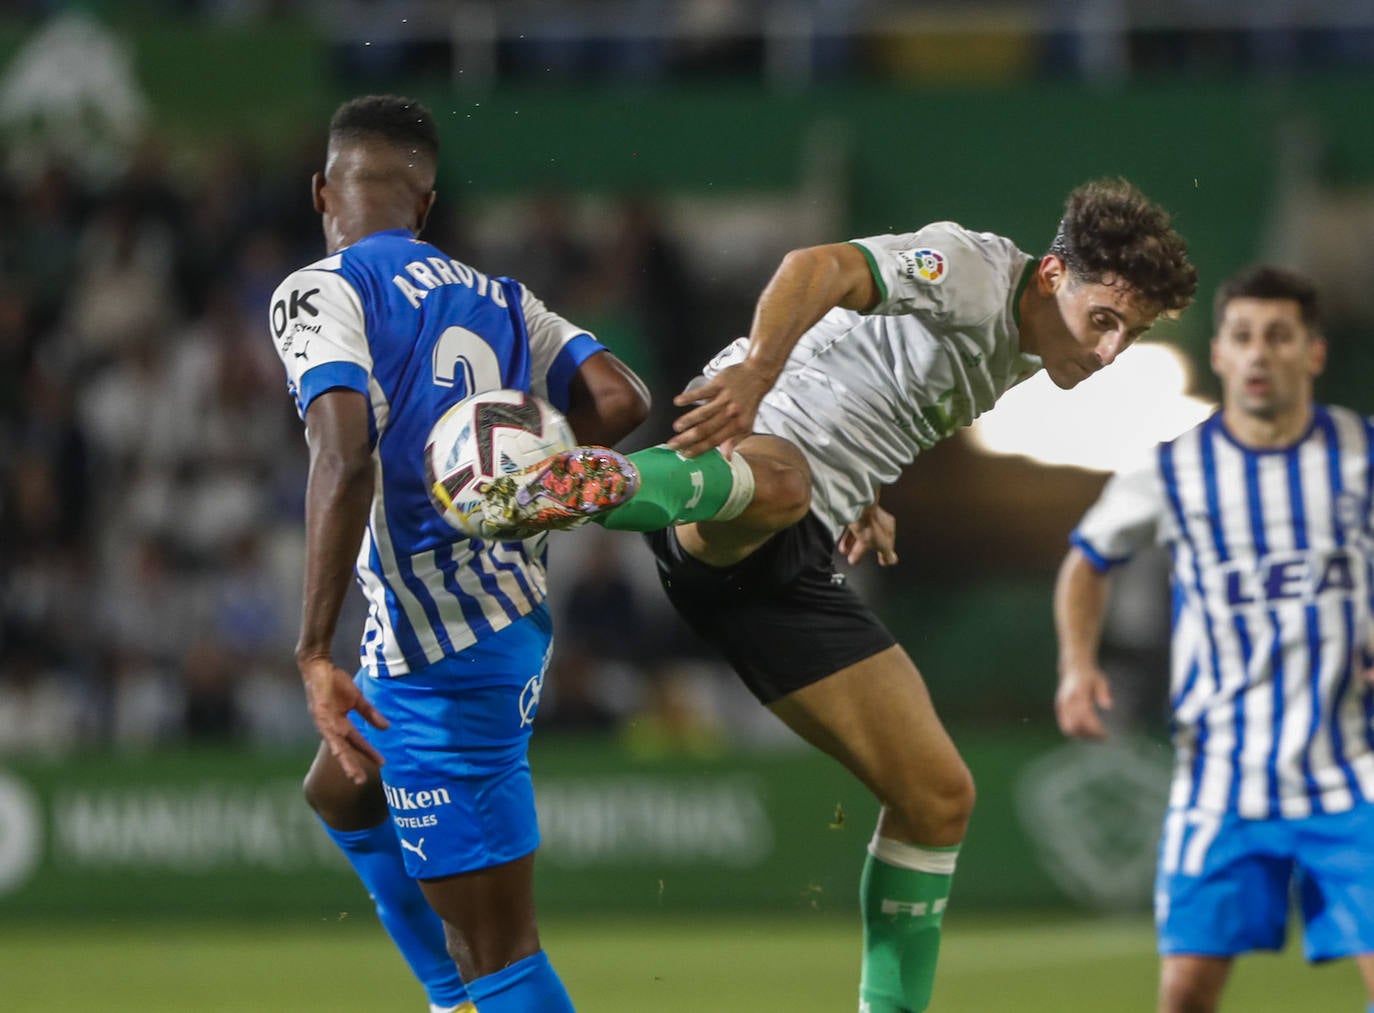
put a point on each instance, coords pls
(646, 491)
(560, 492)
(356, 819)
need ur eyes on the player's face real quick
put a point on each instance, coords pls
(1097, 321)
(1266, 357)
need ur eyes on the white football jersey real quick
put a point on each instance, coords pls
(1271, 553)
(863, 393)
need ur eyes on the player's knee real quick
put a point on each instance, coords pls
(954, 797)
(480, 954)
(782, 487)
(1181, 991)
(794, 493)
(342, 804)
(937, 810)
(320, 797)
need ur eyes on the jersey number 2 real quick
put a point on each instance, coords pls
(464, 361)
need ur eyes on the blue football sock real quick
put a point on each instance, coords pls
(527, 986)
(417, 931)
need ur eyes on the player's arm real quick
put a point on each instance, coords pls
(603, 399)
(1128, 516)
(337, 499)
(1125, 519)
(1080, 603)
(319, 329)
(606, 401)
(808, 284)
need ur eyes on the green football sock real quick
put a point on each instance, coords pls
(678, 490)
(902, 895)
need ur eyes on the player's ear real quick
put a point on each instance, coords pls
(317, 192)
(1050, 274)
(1316, 355)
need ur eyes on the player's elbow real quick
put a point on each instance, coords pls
(607, 401)
(810, 262)
(621, 408)
(346, 467)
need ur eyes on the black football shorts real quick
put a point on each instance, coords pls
(784, 617)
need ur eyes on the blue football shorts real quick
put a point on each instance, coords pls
(1225, 885)
(456, 776)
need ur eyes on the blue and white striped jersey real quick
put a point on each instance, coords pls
(1271, 584)
(415, 331)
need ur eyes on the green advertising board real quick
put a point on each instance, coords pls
(225, 834)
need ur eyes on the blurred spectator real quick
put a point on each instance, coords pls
(43, 237)
(211, 714)
(600, 643)
(553, 261)
(650, 278)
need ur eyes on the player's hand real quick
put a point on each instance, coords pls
(725, 406)
(1078, 705)
(331, 694)
(875, 530)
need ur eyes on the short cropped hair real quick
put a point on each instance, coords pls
(1112, 232)
(397, 120)
(1268, 281)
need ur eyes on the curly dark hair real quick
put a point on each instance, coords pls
(1268, 281)
(396, 119)
(1111, 232)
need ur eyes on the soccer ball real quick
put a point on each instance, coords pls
(484, 436)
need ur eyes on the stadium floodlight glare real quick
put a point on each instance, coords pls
(1106, 422)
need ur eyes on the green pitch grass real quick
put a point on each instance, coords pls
(795, 965)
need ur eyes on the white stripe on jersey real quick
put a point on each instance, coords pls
(413, 611)
(381, 407)
(510, 562)
(379, 631)
(1352, 720)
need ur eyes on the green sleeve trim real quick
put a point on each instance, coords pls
(1027, 273)
(873, 268)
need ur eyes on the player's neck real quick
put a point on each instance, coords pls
(365, 211)
(347, 231)
(1268, 433)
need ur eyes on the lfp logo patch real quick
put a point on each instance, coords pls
(923, 265)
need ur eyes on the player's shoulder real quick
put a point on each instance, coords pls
(947, 252)
(312, 296)
(1346, 417)
(331, 265)
(1190, 435)
(328, 275)
(959, 239)
(1187, 443)
(946, 235)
